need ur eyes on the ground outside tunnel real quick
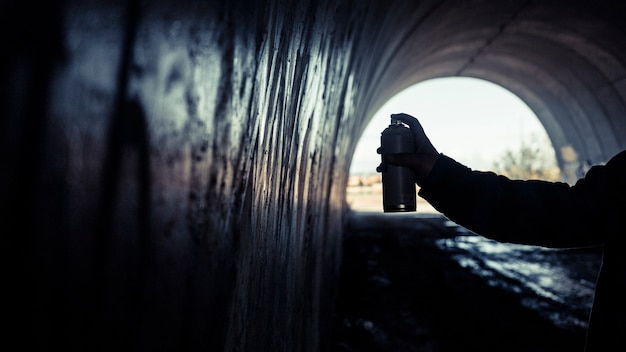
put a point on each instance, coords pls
(401, 290)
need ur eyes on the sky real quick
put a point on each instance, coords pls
(473, 121)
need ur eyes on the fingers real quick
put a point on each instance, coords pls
(409, 120)
(413, 123)
(400, 159)
(422, 143)
(420, 163)
(409, 160)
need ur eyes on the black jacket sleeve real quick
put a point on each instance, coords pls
(550, 214)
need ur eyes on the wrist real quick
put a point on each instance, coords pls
(423, 169)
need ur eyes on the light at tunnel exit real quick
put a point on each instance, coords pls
(472, 120)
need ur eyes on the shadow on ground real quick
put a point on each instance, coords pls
(414, 283)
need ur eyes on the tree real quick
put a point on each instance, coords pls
(534, 160)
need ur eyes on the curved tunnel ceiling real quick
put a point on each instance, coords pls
(568, 65)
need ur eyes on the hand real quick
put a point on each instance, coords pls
(425, 155)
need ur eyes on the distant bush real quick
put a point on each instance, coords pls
(533, 160)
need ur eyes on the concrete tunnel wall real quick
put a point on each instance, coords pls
(174, 173)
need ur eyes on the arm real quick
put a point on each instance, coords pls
(550, 214)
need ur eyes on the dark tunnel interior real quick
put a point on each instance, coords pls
(173, 172)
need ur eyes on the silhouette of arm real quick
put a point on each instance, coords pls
(550, 214)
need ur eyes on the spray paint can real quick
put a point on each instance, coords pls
(398, 181)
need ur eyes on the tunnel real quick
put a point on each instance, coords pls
(173, 172)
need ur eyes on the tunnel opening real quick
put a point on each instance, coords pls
(477, 122)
